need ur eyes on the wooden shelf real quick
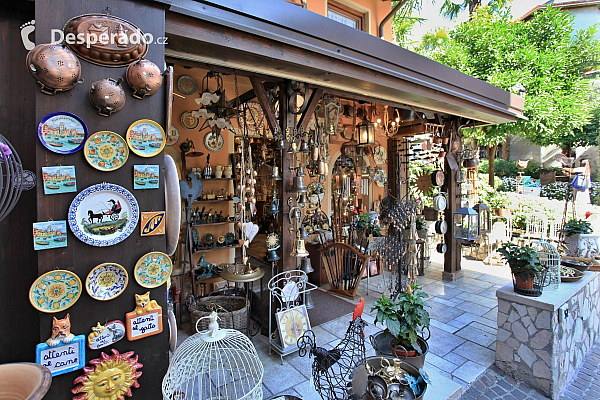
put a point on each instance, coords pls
(214, 223)
(217, 248)
(211, 201)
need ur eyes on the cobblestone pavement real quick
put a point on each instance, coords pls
(494, 384)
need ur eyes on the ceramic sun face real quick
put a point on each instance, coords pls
(109, 378)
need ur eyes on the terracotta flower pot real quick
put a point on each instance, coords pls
(401, 353)
(524, 284)
(501, 212)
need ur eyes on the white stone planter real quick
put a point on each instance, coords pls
(584, 245)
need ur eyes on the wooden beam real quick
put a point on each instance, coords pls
(261, 95)
(310, 109)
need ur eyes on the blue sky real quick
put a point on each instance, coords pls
(434, 19)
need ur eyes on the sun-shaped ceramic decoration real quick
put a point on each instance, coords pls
(109, 377)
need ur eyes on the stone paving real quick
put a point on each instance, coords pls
(462, 344)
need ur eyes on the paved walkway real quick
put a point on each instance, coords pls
(462, 344)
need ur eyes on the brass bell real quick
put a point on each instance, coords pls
(299, 249)
(300, 171)
(302, 200)
(303, 233)
(293, 147)
(279, 144)
(315, 153)
(298, 186)
(272, 255)
(306, 266)
(275, 174)
(323, 169)
(304, 147)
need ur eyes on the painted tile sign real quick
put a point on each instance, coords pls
(63, 358)
(143, 325)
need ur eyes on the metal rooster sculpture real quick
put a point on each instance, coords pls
(332, 369)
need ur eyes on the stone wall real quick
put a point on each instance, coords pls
(534, 345)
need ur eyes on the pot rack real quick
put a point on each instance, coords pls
(11, 177)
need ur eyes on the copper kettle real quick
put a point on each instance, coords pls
(144, 77)
(107, 96)
(54, 67)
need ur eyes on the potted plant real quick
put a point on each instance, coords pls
(367, 225)
(404, 319)
(498, 201)
(580, 240)
(524, 265)
(421, 227)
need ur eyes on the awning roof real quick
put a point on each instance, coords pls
(273, 37)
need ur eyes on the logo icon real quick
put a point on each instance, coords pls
(26, 30)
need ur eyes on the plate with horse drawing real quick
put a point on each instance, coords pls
(106, 281)
(103, 214)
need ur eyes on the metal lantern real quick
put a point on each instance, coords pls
(214, 364)
(366, 132)
(466, 224)
(485, 217)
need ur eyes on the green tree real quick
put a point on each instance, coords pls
(544, 55)
(451, 8)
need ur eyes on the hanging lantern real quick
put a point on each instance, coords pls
(485, 217)
(466, 224)
(366, 132)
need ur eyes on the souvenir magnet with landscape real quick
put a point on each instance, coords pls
(59, 179)
(106, 281)
(146, 176)
(106, 151)
(103, 214)
(55, 291)
(62, 132)
(153, 269)
(146, 138)
(49, 235)
(152, 223)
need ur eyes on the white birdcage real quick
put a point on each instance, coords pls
(217, 364)
(549, 258)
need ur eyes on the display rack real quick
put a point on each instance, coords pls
(280, 301)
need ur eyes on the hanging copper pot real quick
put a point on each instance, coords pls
(107, 96)
(144, 77)
(54, 67)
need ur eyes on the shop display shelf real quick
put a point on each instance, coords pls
(217, 248)
(213, 224)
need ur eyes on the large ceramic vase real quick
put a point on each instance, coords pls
(583, 245)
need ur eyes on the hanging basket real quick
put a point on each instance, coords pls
(232, 311)
(531, 287)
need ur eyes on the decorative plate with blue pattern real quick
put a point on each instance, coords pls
(153, 269)
(103, 214)
(106, 281)
(55, 291)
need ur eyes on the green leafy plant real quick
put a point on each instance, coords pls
(421, 223)
(405, 317)
(523, 261)
(577, 227)
(365, 224)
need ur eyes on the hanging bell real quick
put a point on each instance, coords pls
(302, 200)
(298, 186)
(273, 209)
(293, 147)
(304, 147)
(300, 171)
(315, 153)
(311, 141)
(299, 249)
(279, 144)
(303, 233)
(275, 174)
(272, 255)
(323, 169)
(306, 266)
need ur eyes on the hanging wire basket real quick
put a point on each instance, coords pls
(540, 281)
(220, 367)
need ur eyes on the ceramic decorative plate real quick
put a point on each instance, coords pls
(153, 269)
(106, 151)
(189, 121)
(172, 136)
(103, 214)
(55, 291)
(187, 85)
(172, 205)
(106, 281)
(214, 141)
(62, 132)
(146, 138)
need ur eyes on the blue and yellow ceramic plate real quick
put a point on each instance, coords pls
(153, 269)
(106, 151)
(146, 138)
(55, 291)
(62, 132)
(106, 281)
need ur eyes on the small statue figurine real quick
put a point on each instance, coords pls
(61, 331)
(144, 304)
(96, 331)
(213, 325)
